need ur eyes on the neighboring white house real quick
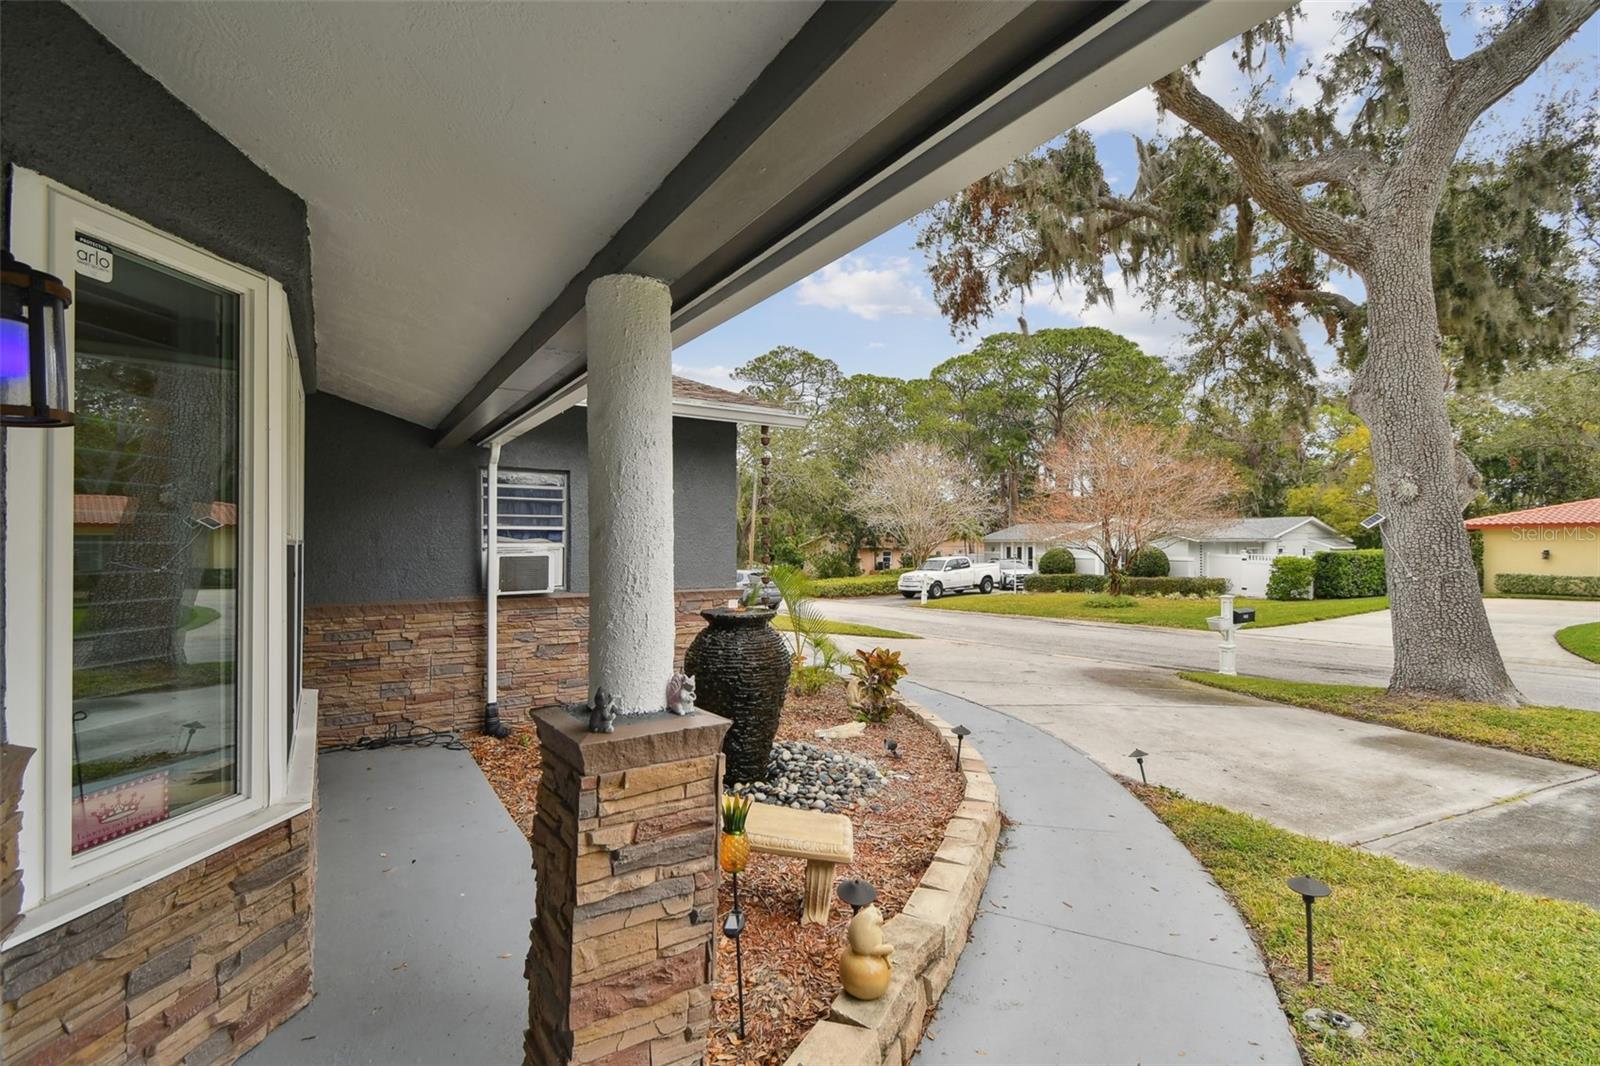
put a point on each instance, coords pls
(1239, 549)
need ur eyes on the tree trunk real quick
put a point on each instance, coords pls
(1442, 642)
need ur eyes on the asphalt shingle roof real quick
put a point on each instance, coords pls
(689, 389)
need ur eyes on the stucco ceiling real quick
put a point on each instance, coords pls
(438, 148)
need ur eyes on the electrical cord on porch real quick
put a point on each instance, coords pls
(415, 736)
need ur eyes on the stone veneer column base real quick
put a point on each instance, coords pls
(622, 950)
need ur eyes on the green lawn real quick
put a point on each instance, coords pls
(1440, 968)
(845, 629)
(1582, 640)
(1154, 610)
(1559, 733)
(197, 617)
(147, 677)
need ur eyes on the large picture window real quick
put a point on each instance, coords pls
(155, 551)
(152, 598)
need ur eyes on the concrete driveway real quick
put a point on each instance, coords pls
(1352, 651)
(1524, 629)
(1530, 824)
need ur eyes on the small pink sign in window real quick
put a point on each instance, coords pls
(113, 812)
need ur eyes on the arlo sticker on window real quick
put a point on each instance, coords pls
(94, 259)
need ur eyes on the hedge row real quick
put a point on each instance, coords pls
(1133, 586)
(865, 585)
(1064, 583)
(1292, 577)
(1543, 585)
(1349, 574)
(1162, 586)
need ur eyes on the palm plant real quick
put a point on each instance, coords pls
(812, 645)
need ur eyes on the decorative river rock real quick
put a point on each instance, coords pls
(741, 665)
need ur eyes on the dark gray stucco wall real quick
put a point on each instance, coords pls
(74, 108)
(391, 518)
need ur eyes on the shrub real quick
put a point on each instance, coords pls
(882, 583)
(1104, 602)
(1149, 562)
(1347, 575)
(1184, 586)
(1547, 585)
(877, 672)
(1291, 578)
(1057, 561)
(1064, 583)
(835, 564)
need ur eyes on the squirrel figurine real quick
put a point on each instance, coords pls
(680, 694)
(864, 968)
(602, 712)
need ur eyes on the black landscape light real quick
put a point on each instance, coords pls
(33, 346)
(857, 893)
(733, 926)
(893, 747)
(962, 733)
(193, 728)
(1310, 890)
(1138, 756)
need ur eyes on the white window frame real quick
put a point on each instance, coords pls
(58, 885)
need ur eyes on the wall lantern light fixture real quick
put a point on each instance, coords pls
(33, 347)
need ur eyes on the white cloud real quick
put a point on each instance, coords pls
(876, 344)
(1134, 113)
(1159, 333)
(854, 284)
(1318, 35)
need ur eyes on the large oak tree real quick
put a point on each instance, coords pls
(1242, 219)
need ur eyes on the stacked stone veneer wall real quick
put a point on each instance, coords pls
(194, 968)
(13, 761)
(928, 933)
(383, 666)
(622, 949)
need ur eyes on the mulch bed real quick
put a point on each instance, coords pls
(791, 971)
(512, 767)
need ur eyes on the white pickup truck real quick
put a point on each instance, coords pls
(949, 573)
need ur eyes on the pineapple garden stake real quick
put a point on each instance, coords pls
(733, 853)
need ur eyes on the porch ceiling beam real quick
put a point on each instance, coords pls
(827, 35)
(833, 145)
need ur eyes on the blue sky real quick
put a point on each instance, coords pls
(873, 310)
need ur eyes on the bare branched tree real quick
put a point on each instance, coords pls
(920, 496)
(1123, 486)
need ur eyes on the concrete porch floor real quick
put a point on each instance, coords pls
(423, 899)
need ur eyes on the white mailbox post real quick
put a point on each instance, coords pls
(1226, 623)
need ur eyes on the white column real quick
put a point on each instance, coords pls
(632, 614)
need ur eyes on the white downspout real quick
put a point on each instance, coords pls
(491, 684)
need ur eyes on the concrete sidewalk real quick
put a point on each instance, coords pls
(1099, 939)
(1530, 824)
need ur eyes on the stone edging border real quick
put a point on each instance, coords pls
(928, 934)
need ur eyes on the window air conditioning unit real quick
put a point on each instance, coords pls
(528, 571)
